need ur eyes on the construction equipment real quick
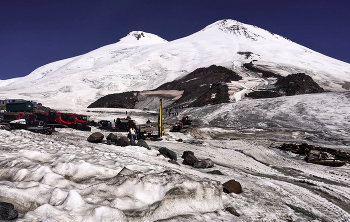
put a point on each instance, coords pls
(186, 120)
(178, 127)
(152, 131)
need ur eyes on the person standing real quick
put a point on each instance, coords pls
(132, 132)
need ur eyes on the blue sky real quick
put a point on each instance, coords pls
(36, 32)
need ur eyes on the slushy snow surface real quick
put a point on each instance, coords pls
(64, 177)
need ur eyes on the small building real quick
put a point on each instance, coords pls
(19, 106)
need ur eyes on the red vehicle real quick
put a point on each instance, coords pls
(80, 118)
(61, 118)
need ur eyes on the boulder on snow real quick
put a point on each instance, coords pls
(207, 163)
(112, 138)
(185, 153)
(123, 141)
(168, 153)
(232, 186)
(232, 211)
(96, 137)
(217, 172)
(7, 211)
(142, 143)
(190, 159)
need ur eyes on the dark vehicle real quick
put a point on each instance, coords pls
(28, 121)
(105, 124)
(124, 124)
(186, 120)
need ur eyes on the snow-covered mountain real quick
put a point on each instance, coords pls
(143, 61)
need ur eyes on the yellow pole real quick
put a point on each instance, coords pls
(160, 129)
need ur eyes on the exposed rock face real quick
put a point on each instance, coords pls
(218, 93)
(96, 137)
(118, 100)
(232, 186)
(296, 84)
(203, 85)
(199, 81)
(293, 84)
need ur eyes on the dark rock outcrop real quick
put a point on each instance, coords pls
(296, 84)
(201, 85)
(7, 211)
(232, 186)
(118, 100)
(96, 137)
(218, 93)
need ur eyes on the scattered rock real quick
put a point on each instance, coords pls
(232, 186)
(217, 172)
(232, 211)
(112, 138)
(168, 153)
(123, 141)
(179, 140)
(96, 137)
(185, 153)
(7, 211)
(142, 143)
(190, 159)
(207, 163)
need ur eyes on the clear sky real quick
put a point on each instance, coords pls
(36, 32)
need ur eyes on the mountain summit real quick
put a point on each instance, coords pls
(144, 61)
(135, 38)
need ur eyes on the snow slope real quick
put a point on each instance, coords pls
(143, 61)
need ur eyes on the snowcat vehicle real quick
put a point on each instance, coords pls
(105, 124)
(29, 122)
(124, 124)
(61, 119)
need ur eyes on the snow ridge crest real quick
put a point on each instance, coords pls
(230, 26)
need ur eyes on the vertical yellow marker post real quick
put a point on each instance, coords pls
(160, 128)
